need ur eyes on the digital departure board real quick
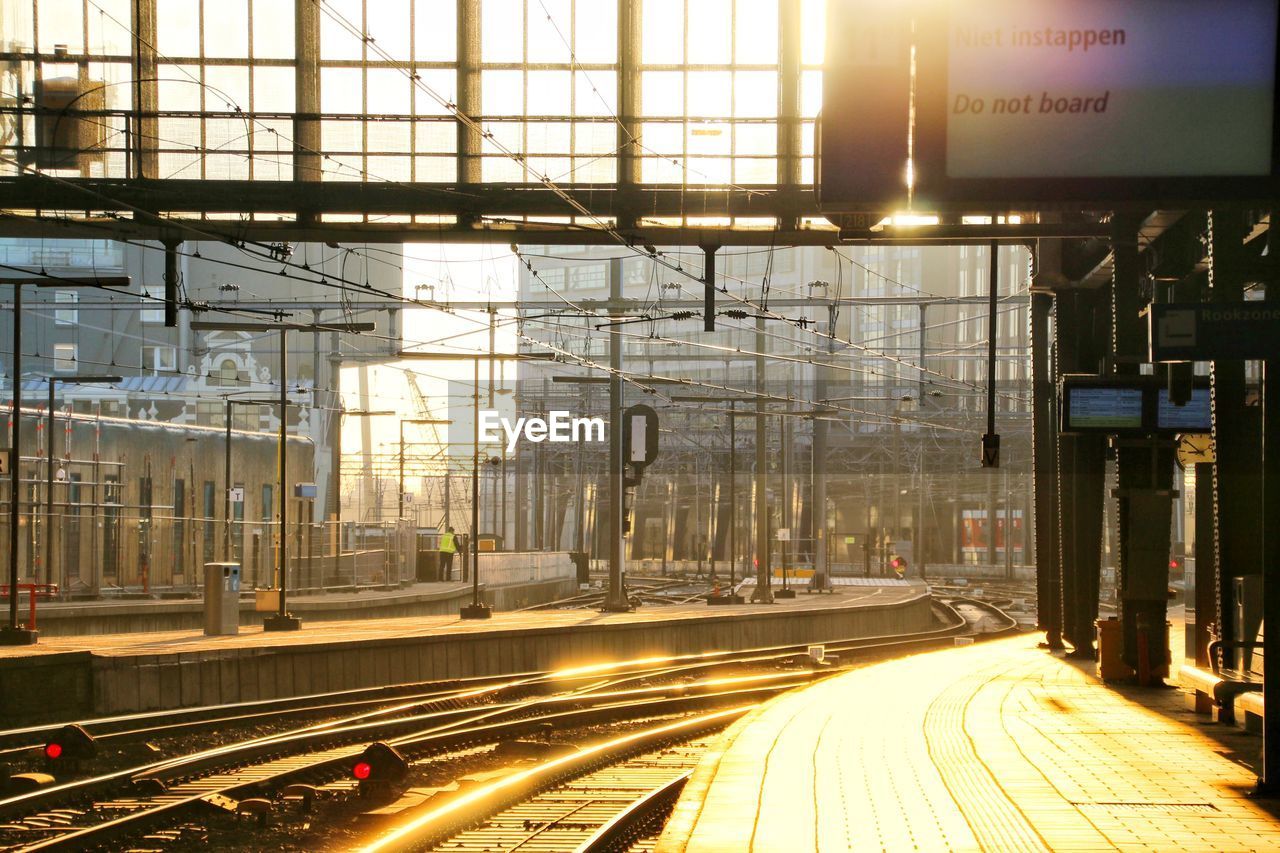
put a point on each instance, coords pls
(1195, 417)
(1131, 405)
(1105, 408)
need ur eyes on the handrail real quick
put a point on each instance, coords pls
(34, 590)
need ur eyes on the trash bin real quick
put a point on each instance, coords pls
(582, 565)
(428, 568)
(221, 599)
(1111, 666)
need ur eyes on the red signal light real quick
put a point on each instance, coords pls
(53, 750)
(362, 770)
(1174, 564)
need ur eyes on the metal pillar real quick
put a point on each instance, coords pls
(1045, 475)
(146, 90)
(171, 278)
(630, 30)
(1144, 500)
(12, 634)
(308, 162)
(282, 620)
(763, 593)
(616, 599)
(1237, 493)
(400, 479)
(476, 609)
(52, 383)
(469, 142)
(733, 495)
(1269, 783)
(709, 288)
(1081, 465)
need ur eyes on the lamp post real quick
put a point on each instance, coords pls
(282, 620)
(13, 634)
(477, 609)
(52, 382)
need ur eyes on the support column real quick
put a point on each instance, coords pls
(308, 163)
(171, 279)
(1237, 488)
(1269, 783)
(469, 142)
(334, 503)
(1045, 475)
(763, 593)
(282, 620)
(616, 599)
(1145, 468)
(146, 90)
(12, 634)
(1081, 469)
(630, 37)
(789, 80)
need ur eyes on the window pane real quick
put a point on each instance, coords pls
(596, 36)
(177, 28)
(548, 137)
(662, 93)
(710, 93)
(813, 31)
(273, 29)
(549, 93)
(663, 43)
(337, 18)
(502, 30)
(340, 90)
(810, 93)
(225, 34)
(710, 32)
(61, 22)
(596, 93)
(109, 27)
(755, 94)
(435, 30)
(434, 85)
(757, 32)
(502, 93)
(388, 25)
(226, 88)
(388, 92)
(273, 90)
(550, 27)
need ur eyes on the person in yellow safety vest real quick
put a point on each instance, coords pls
(448, 547)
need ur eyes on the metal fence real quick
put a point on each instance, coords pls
(108, 550)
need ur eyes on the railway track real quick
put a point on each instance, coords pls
(263, 774)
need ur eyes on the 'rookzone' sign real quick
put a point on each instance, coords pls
(1048, 101)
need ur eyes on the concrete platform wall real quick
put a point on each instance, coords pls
(131, 617)
(127, 684)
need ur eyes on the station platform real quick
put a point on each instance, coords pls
(124, 673)
(998, 746)
(137, 614)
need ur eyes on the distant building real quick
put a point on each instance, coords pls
(181, 376)
(890, 481)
